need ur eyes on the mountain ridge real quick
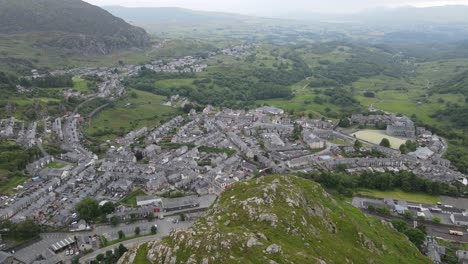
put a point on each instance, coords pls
(70, 24)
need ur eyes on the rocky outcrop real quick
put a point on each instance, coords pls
(283, 219)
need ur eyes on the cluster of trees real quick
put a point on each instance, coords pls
(89, 209)
(385, 142)
(110, 257)
(49, 81)
(363, 63)
(233, 86)
(23, 230)
(7, 81)
(14, 157)
(346, 184)
(415, 235)
(409, 146)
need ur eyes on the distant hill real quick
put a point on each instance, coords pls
(457, 84)
(170, 14)
(404, 15)
(70, 24)
(283, 219)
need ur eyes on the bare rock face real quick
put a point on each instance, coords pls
(271, 218)
(253, 242)
(272, 249)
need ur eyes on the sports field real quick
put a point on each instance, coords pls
(376, 136)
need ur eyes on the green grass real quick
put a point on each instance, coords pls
(169, 83)
(339, 142)
(312, 218)
(228, 152)
(140, 257)
(413, 95)
(130, 114)
(400, 195)
(80, 85)
(131, 198)
(56, 165)
(376, 136)
(12, 183)
(303, 101)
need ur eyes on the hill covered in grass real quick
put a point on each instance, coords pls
(283, 219)
(73, 25)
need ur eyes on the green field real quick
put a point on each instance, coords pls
(12, 183)
(400, 195)
(376, 136)
(56, 165)
(169, 83)
(303, 101)
(412, 96)
(80, 85)
(130, 114)
(131, 198)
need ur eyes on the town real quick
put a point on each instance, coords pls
(197, 156)
(202, 154)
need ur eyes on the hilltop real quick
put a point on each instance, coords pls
(72, 25)
(283, 219)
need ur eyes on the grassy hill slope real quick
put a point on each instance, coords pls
(70, 24)
(283, 219)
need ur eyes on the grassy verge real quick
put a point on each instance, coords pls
(12, 183)
(400, 195)
(140, 257)
(131, 198)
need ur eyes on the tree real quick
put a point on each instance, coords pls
(416, 236)
(357, 144)
(399, 225)
(407, 215)
(150, 217)
(100, 257)
(122, 249)
(26, 229)
(385, 142)
(132, 218)
(88, 208)
(109, 255)
(137, 231)
(108, 208)
(154, 230)
(436, 220)
(114, 221)
(344, 122)
(121, 234)
(403, 149)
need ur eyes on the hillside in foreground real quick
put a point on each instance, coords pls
(283, 219)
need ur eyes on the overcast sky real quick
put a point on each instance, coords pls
(274, 7)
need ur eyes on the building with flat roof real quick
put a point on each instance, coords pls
(181, 203)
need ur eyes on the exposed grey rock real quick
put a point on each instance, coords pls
(272, 249)
(253, 242)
